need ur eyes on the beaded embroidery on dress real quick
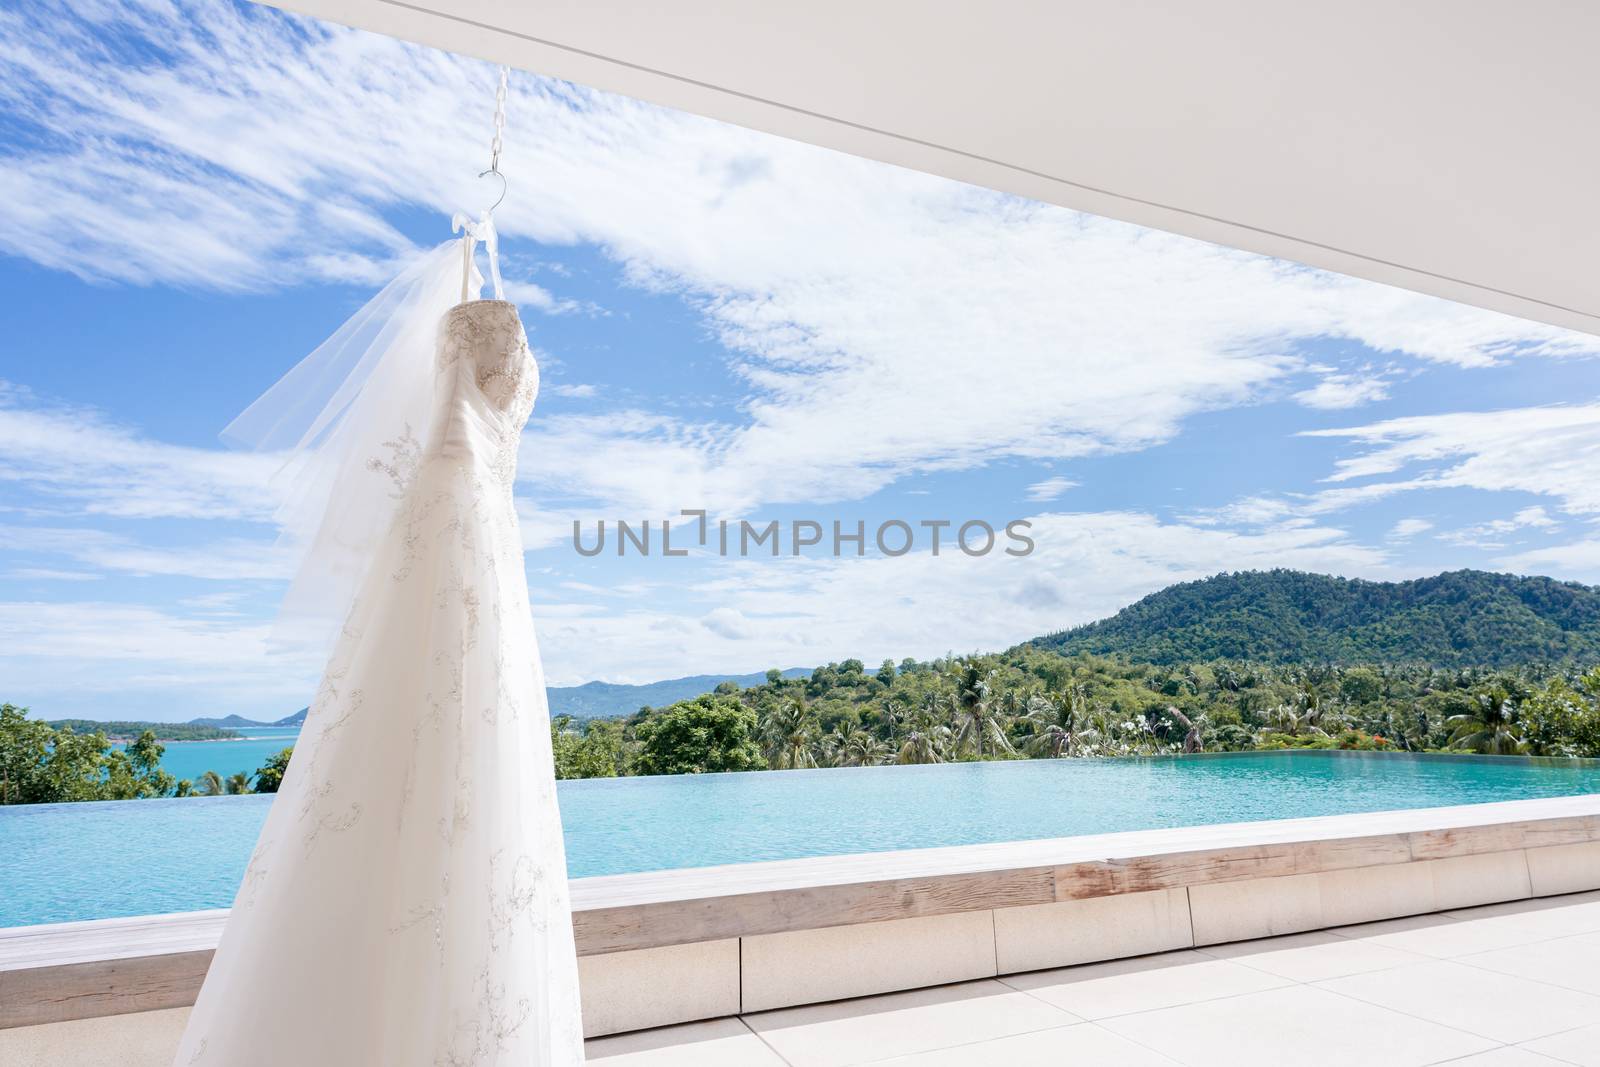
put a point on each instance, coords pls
(407, 901)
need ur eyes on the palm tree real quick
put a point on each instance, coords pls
(1190, 727)
(892, 714)
(976, 721)
(1012, 703)
(861, 749)
(1493, 727)
(238, 784)
(1054, 722)
(210, 785)
(828, 747)
(791, 737)
(924, 743)
(1304, 712)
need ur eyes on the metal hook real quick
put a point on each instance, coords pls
(504, 185)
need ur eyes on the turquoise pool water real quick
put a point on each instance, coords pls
(60, 862)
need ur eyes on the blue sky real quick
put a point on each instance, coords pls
(193, 196)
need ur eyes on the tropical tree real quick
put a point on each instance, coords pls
(861, 749)
(210, 784)
(594, 750)
(790, 737)
(977, 724)
(698, 736)
(1493, 725)
(1053, 722)
(925, 743)
(269, 776)
(135, 772)
(41, 764)
(26, 750)
(1190, 728)
(1564, 718)
(891, 713)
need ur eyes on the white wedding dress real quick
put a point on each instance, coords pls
(407, 902)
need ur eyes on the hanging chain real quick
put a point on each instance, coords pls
(499, 120)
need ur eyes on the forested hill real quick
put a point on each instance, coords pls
(1459, 618)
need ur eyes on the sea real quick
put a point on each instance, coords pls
(191, 759)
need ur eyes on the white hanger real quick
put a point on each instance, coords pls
(483, 229)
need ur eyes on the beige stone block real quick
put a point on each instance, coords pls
(1564, 868)
(658, 986)
(809, 966)
(1367, 894)
(1038, 936)
(1487, 878)
(1260, 907)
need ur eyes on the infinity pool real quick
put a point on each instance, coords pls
(60, 862)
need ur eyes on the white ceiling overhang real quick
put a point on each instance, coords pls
(1446, 147)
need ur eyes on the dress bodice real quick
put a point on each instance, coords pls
(488, 336)
(495, 383)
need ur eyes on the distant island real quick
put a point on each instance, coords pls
(239, 722)
(203, 729)
(123, 730)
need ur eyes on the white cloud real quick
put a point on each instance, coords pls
(534, 295)
(63, 658)
(727, 623)
(1338, 391)
(575, 392)
(1579, 560)
(252, 149)
(1249, 511)
(236, 559)
(1050, 489)
(51, 574)
(78, 457)
(1406, 529)
(1488, 534)
(1552, 451)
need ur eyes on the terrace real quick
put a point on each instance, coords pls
(1465, 934)
(1091, 944)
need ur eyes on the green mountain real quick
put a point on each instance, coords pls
(1458, 618)
(229, 722)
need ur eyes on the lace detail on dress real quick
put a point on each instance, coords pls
(406, 454)
(489, 335)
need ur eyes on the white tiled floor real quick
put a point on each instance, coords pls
(1511, 985)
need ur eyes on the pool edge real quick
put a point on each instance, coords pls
(673, 946)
